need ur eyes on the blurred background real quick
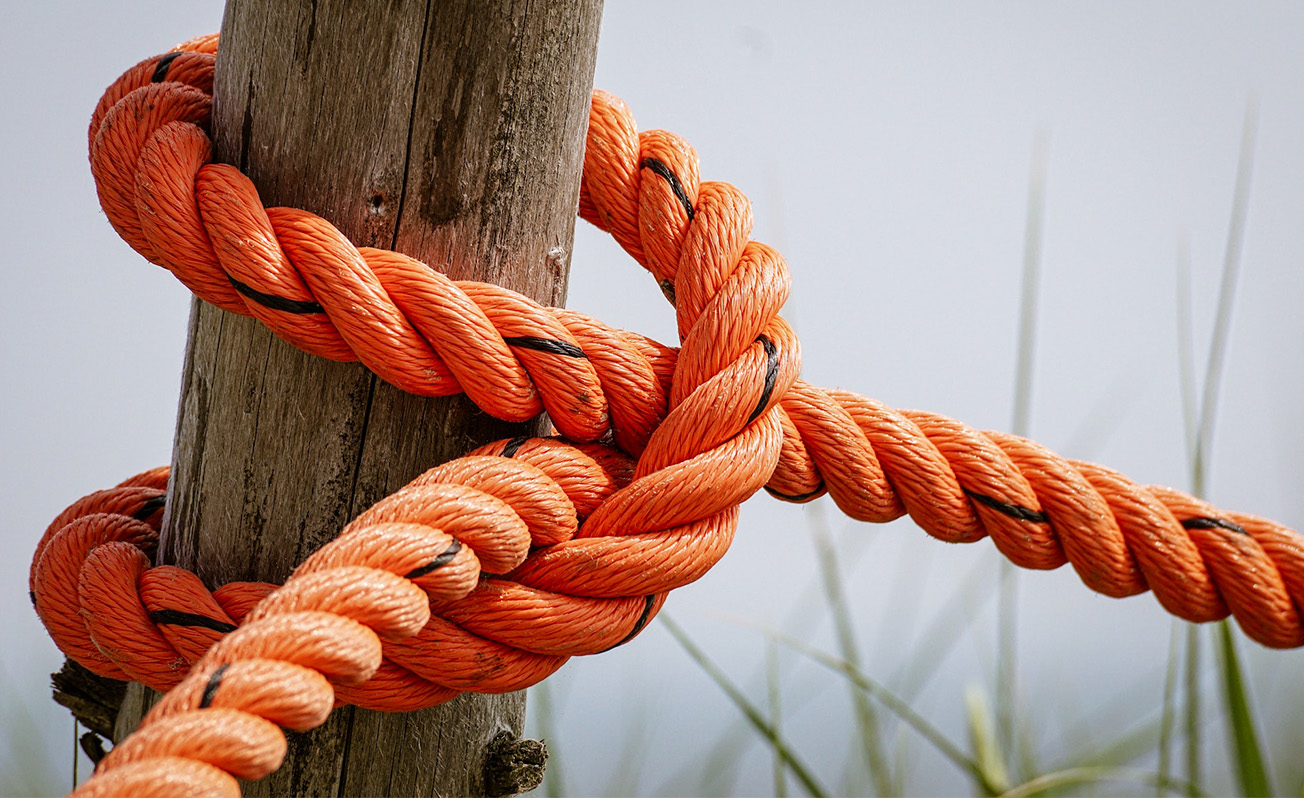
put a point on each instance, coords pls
(894, 154)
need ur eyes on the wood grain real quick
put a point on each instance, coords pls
(449, 131)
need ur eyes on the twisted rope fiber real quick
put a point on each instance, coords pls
(486, 573)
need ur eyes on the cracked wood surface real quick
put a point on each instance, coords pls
(452, 132)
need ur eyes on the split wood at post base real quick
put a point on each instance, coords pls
(454, 133)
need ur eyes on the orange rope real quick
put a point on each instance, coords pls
(488, 572)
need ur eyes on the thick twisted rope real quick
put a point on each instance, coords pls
(488, 572)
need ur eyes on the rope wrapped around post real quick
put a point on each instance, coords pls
(488, 572)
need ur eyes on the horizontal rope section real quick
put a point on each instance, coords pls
(486, 573)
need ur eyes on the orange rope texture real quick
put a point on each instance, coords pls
(488, 572)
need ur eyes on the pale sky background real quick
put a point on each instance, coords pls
(887, 151)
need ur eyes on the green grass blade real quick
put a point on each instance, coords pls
(1250, 772)
(750, 712)
(902, 759)
(1007, 624)
(1192, 714)
(776, 713)
(1246, 754)
(1186, 346)
(1032, 236)
(986, 744)
(1093, 775)
(867, 725)
(1226, 297)
(1191, 427)
(1169, 711)
(1026, 749)
(890, 700)
(1007, 671)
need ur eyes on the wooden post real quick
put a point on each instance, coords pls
(452, 132)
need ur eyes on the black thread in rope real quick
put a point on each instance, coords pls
(659, 166)
(151, 505)
(161, 68)
(179, 618)
(799, 497)
(771, 375)
(648, 602)
(549, 345)
(1015, 511)
(514, 445)
(214, 682)
(1206, 522)
(276, 302)
(439, 562)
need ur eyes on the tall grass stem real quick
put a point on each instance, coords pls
(866, 723)
(750, 712)
(1007, 642)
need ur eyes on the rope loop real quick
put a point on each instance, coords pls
(488, 572)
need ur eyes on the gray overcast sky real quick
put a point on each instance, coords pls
(887, 150)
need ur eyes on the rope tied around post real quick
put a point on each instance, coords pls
(486, 573)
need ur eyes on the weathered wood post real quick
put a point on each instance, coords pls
(452, 132)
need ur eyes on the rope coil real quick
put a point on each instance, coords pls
(488, 572)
